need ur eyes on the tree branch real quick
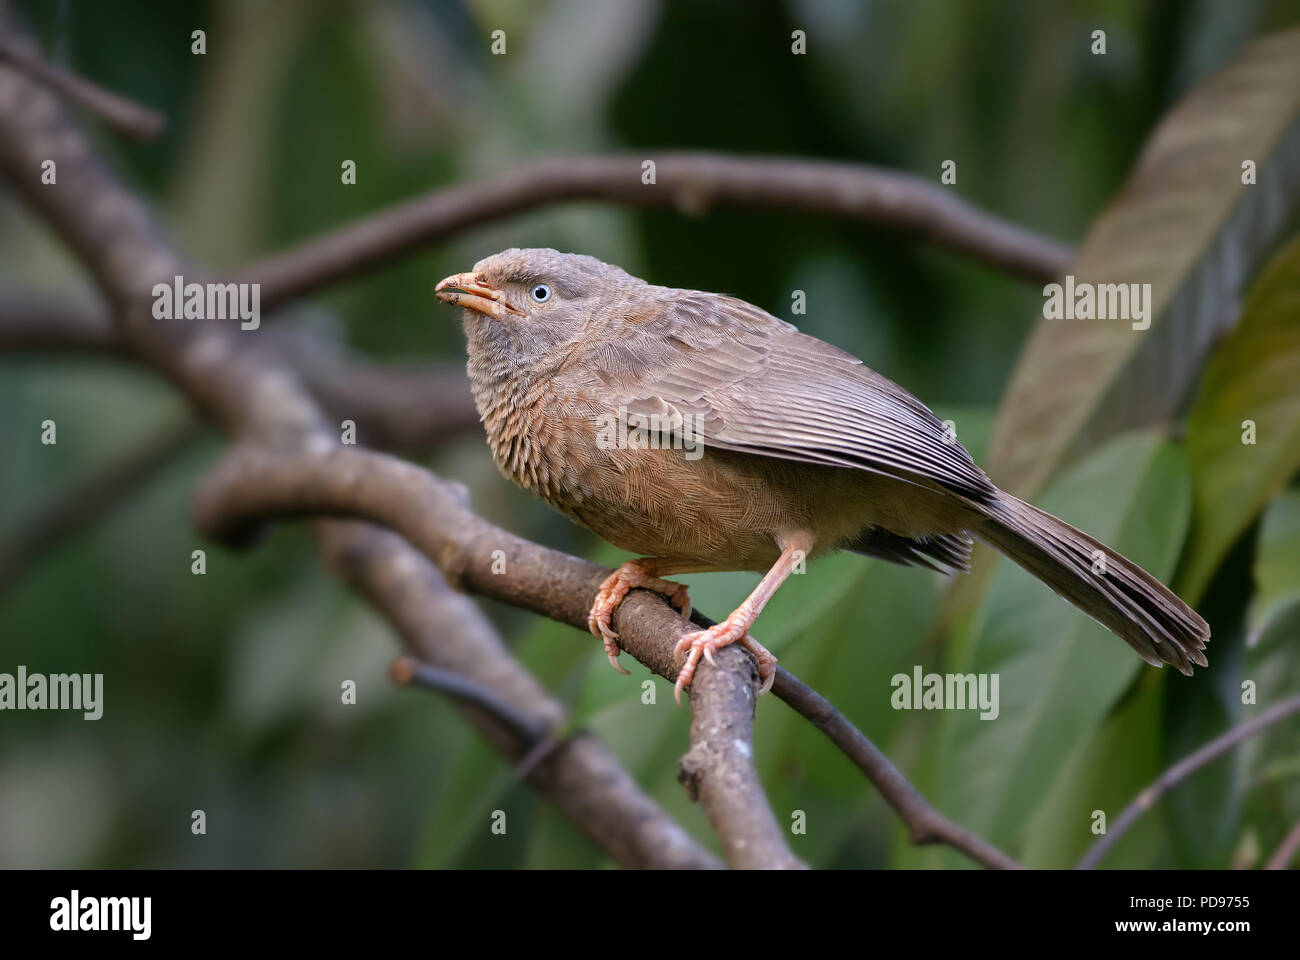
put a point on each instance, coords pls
(407, 671)
(1183, 769)
(38, 324)
(447, 630)
(117, 111)
(691, 182)
(251, 486)
(408, 406)
(925, 825)
(718, 770)
(1286, 851)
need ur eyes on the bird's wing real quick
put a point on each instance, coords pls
(754, 384)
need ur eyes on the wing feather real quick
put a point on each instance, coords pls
(754, 384)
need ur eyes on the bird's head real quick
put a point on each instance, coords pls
(523, 305)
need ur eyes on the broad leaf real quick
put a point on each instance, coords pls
(1184, 223)
(1104, 775)
(1059, 672)
(1277, 562)
(1243, 431)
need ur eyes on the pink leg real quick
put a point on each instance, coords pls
(704, 643)
(633, 574)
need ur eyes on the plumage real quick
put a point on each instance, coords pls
(802, 449)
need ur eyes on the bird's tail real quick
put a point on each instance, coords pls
(1114, 591)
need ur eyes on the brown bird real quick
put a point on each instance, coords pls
(705, 434)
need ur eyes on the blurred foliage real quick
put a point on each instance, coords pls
(1248, 393)
(1190, 228)
(222, 691)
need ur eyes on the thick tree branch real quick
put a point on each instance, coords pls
(691, 182)
(1183, 769)
(38, 324)
(252, 486)
(447, 630)
(718, 770)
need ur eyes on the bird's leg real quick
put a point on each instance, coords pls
(704, 643)
(643, 573)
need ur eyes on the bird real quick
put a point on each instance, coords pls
(702, 433)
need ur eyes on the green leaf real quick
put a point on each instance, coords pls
(1277, 562)
(1104, 774)
(1251, 380)
(1059, 672)
(1187, 225)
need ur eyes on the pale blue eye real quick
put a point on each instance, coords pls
(541, 293)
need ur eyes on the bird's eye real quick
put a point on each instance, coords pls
(541, 293)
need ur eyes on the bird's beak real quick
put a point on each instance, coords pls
(468, 290)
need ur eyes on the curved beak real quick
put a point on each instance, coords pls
(472, 292)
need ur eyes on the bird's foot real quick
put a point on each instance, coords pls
(629, 576)
(703, 644)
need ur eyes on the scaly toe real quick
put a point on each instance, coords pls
(681, 599)
(703, 644)
(598, 621)
(686, 674)
(766, 663)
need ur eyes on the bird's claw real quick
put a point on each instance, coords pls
(616, 586)
(702, 644)
(612, 651)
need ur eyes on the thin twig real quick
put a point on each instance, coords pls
(1183, 769)
(1286, 852)
(123, 115)
(691, 182)
(924, 824)
(407, 671)
(540, 741)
